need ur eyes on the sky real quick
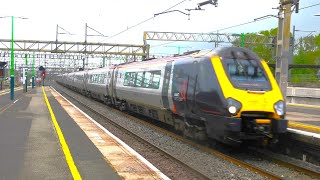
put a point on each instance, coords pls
(111, 17)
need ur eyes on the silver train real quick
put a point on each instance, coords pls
(205, 94)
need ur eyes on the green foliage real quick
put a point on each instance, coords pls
(306, 51)
(263, 45)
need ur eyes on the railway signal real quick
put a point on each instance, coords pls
(2, 72)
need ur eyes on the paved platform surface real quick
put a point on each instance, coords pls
(304, 114)
(30, 148)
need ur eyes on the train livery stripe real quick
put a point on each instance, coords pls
(73, 168)
(273, 82)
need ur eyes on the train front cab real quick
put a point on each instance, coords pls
(253, 99)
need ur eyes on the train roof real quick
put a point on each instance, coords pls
(225, 52)
(235, 53)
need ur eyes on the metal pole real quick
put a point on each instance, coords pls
(57, 32)
(26, 72)
(12, 62)
(291, 52)
(279, 46)
(85, 36)
(33, 61)
(85, 46)
(285, 50)
(242, 40)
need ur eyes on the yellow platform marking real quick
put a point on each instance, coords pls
(303, 105)
(73, 168)
(304, 126)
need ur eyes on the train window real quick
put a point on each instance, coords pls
(129, 78)
(152, 79)
(147, 78)
(95, 78)
(246, 74)
(99, 78)
(139, 80)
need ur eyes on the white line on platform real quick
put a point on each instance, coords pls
(305, 133)
(15, 101)
(151, 166)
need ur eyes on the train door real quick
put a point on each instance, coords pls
(85, 81)
(180, 80)
(114, 84)
(191, 90)
(107, 82)
(165, 86)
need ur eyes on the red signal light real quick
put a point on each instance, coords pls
(43, 74)
(1, 73)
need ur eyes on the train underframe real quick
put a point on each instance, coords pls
(236, 131)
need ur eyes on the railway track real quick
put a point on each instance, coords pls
(206, 149)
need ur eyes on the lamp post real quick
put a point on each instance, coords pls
(12, 62)
(26, 72)
(12, 56)
(33, 61)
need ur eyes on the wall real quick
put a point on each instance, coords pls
(300, 95)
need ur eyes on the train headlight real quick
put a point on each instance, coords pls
(232, 109)
(234, 106)
(279, 108)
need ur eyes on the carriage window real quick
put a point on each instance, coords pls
(152, 79)
(139, 80)
(129, 78)
(149, 79)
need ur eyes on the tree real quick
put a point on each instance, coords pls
(307, 51)
(263, 46)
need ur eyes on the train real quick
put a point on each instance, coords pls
(227, 94)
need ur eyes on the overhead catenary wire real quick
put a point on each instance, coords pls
(306, 7)
(144, 21)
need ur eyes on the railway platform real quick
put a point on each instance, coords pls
(304, 117)
(43, 136)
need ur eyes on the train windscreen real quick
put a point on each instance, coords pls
(246, 74)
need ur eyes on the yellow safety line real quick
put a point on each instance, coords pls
(73, 168)
(303, 105)
(304, 126)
